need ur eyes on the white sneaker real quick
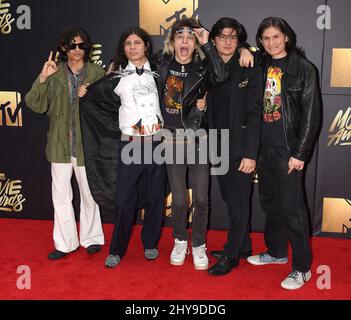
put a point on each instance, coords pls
(295, 280)
(179, 251)
(200, 257)
(265, 258)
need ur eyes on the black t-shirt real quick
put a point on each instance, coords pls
(272, 125)
(172, 99)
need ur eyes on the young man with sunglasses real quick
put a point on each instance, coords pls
(56, 93)
(188, 66)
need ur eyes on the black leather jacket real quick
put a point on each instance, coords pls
(203, 73)
(301, 105)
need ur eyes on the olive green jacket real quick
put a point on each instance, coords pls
(52, 98)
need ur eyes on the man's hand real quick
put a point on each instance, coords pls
(202, 35)
(49, 69)
(201, 104)
(246, 58)
(247, 165)
(82, 90)
(111, 68)
(295, 164)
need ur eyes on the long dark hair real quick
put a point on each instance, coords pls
(226, 22)
(67, 37)
(120, 59)
(282, 26)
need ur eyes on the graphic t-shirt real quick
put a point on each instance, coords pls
(139, 114)
(172, 99)
(272, 128)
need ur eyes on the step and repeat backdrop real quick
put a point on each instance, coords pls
(29, 30)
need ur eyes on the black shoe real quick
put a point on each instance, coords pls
(217, 253)
(56, 254)
(242, 254)
(224, 265)
(94, 248)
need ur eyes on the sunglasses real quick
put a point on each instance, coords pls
(181, 31)
(81, 46)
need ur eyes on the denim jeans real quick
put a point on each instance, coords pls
(199, 182)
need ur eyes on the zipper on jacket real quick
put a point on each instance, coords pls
(185, 96)
(283, 100)
(181, 113)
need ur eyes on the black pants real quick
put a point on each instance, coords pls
(282, 199)
(235, 188)
(199, 174)
(128, 177)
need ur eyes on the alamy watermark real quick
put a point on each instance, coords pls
(186, 146)
(24, 281)
(324, 280)
(324, 19)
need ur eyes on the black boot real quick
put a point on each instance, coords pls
(224, 265)
(242, 254)
(56, 254)
(94, 248)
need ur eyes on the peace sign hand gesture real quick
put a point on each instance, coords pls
(49, 69)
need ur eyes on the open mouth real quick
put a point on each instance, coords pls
(184, 51)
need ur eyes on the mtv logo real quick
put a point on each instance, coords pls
(336, 215)
(10, 109)
(157, 16)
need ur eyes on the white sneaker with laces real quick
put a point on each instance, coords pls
(296, 280)
(200, 257)
(265, 258)
(179, 251)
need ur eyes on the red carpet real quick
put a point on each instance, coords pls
(81, 276)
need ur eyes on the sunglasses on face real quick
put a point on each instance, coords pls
(181, 31)
(81, 46)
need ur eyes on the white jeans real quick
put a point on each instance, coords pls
(65, 227)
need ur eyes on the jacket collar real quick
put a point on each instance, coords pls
(62, 76)
(131, 66)
(195, 74)
(292, 62)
